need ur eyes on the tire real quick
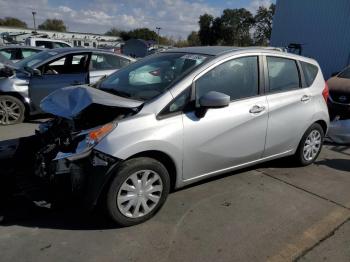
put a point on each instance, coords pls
(301, 156)
(133, 181)
(12, 110)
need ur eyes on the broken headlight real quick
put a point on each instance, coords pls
(96, 135)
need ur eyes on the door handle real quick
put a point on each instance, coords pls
(305, 98)
(257, 109)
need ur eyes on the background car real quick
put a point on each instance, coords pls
(37, 76)
(339, 95)
(17, 53)
(46, 43)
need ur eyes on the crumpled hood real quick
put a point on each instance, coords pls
(68, 102)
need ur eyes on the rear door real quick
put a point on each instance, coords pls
(105, 64)
(68, 70)
(290, 105)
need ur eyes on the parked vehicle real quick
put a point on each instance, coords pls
(16, 53)
(339, 95)
(37, 76)
(214, 110)
(46, 43)
(3, 60)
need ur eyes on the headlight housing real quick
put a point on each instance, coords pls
(96, 135)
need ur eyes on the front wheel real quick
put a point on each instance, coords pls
(310, 145)
(138, 191)
(12, 110)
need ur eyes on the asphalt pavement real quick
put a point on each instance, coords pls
(272, 212)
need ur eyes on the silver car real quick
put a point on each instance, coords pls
(35, 77)
(212, 110)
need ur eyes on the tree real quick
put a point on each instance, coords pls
(193, 39)
(54, 25)
(12, 21)
(205, 29)
(236, 25)
(113, 32)
(263, 24)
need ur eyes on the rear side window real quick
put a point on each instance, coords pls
(310, 72)
(283, 74)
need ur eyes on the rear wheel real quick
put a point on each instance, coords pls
(138, 191)
(12, 110)
(310, 145)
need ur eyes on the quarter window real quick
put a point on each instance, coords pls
(310, 72)
(283, 74)
(238, 78)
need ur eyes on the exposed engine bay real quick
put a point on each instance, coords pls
(62, 150)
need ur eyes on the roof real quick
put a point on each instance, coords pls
(67, 50)
(219, 50)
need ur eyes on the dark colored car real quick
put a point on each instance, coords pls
(339, 95)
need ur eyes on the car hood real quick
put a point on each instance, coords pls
(70, 101)
(339, 85)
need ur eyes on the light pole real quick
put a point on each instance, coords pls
(34, 13)
(158, 28)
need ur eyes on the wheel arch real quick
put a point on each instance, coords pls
(323, 124)
(163, 158)
(19, 97)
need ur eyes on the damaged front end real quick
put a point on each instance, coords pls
(66, 157)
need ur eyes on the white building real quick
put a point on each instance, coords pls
(75, 38)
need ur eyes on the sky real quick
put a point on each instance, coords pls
(177, 18)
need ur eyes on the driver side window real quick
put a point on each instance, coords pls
(238, 78)
(68, 64)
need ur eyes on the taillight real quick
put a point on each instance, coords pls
(325, 92)
(155, 72)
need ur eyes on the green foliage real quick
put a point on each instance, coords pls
(235, 26)
(53, 25)
(113, 32)
(12, 21)
(263, 24)
(193, 39)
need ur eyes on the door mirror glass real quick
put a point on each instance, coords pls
(214, 100)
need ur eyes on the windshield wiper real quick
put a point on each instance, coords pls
(117, 92)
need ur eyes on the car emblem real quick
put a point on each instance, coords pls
(342, 98)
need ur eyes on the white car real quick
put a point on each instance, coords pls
(46, 43)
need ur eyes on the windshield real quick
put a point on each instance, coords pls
(151, 76)
(36, 59)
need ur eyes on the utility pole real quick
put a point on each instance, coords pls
(34, 13)
(158, 28)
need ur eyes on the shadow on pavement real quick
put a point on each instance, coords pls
(337, 164)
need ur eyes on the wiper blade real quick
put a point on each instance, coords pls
(117, 92)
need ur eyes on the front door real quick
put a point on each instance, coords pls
(62, 72)
(227, 137)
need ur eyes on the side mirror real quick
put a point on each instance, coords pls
(212, 100)
(36, 72)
